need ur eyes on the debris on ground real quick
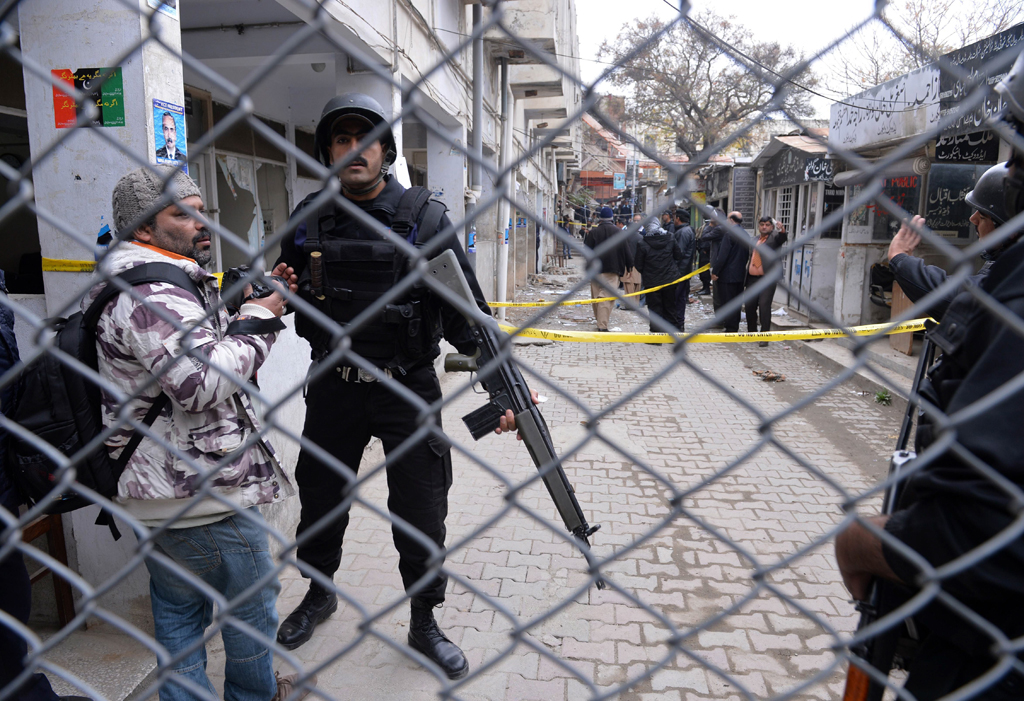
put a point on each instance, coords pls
(770, 376)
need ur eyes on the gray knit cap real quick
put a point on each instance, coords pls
(141, 194)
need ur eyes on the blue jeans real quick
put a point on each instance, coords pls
(229, 556)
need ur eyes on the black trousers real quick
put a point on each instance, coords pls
(663, 303)
(16, 599)
(761, 306)
(340, 418)
(682, 297)
(729, 291)
(705, 277)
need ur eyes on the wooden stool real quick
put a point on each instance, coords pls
(53, 527)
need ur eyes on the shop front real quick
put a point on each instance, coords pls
(797, 190)
(931, 181)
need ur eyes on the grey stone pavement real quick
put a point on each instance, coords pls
(693, 570)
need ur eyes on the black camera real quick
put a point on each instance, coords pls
(261, 288)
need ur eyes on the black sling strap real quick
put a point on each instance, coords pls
(408, 210)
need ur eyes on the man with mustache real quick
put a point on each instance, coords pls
(173, 346)
(346, 404)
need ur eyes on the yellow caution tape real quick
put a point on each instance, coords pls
(570, 302)
(59, 265)
(793, 335)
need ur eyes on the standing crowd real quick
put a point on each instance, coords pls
(658, 251)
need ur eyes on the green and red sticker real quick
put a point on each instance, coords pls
(103, 86)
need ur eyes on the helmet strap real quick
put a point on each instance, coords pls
(364, 190)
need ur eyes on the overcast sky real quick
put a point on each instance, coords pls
(802, 23)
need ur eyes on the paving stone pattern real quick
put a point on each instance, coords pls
(765, 637)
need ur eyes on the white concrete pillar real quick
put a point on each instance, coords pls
(446, 170)
(75, 181)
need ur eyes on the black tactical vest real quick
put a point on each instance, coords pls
(356, 272)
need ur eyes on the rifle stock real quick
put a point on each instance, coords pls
(509, 391)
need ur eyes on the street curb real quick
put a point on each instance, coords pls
(861, 378)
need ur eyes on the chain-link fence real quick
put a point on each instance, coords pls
(719, 499)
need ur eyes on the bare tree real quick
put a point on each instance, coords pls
(927, 29)
(701, 78)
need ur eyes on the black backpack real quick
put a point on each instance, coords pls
(61, 406)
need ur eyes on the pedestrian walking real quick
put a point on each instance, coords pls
(614, 263)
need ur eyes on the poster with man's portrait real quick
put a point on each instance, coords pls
(169, 123)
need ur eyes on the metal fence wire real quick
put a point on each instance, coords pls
(719, 498)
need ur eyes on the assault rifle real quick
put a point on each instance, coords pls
(508, 390)
(893, 648)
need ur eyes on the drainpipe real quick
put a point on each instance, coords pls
(476, 146)
(504, 208)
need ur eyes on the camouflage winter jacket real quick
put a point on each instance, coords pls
(210, 426)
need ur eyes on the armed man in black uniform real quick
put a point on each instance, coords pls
(965, 496)
(917, 279)
(345, 406)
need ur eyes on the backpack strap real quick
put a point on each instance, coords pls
(141, 275)
(430, 222)
(138, 275)
(105, 518)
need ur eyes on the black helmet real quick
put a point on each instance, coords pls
(1011, 93)
(360, 105)
(987, 195)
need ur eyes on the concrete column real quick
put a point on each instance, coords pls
(74, 183)
(487, 240)
(446, 170)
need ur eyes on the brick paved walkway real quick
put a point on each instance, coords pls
(766, 638)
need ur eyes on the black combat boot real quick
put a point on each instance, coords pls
(425, 637)
(317, 605)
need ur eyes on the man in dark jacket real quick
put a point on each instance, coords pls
(710, 238)
(667, 222)
(917, 279)
(347, 404)
(631, 281)
(687, 242)
(728, 271)
(658, 258)
(614, 262)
